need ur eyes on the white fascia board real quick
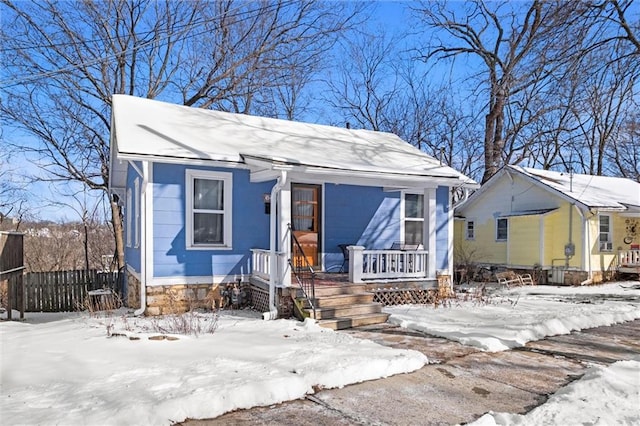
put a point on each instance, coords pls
(230, 164)
(477, 195)
(268, 169)
(548, 188)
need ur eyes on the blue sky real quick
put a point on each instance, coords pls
(390, 17)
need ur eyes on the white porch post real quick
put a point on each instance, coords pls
(355, 263)
(429, 230)
(284, 237)
(450, 234)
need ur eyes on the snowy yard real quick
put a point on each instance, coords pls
(66, 369)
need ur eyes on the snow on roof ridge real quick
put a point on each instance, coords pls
(152, 128)
(590, 190)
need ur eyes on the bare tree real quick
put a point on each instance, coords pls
(13, 197)
(66, 59)
(625, 155)
(516, 44)
(381, 88)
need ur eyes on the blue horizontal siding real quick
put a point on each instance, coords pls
(360, 215)
(250, 225)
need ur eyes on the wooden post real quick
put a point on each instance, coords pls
(11, 269)
(355, 263)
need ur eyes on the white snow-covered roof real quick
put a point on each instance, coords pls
(594, 192)
(149, 129)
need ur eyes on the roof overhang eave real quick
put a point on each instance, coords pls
(265, 170)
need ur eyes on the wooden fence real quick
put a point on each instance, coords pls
(62, 291)
(11, 272)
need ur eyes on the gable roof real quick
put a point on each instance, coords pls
(589, 191)
(144, 129)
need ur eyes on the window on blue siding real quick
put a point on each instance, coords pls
(502, 229)
(208, 209)
(413, 218)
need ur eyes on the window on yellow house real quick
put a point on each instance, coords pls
(606, 241)
(502, 229)
(470, 232)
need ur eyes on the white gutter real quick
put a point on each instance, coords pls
(587, 238)
(273, 261)
(143, 233)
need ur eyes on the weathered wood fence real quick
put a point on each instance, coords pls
(11, 272)
(62, 291)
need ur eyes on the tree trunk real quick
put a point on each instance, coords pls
(86, 246)
(116, 220)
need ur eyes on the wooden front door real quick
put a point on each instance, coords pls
(305, 217)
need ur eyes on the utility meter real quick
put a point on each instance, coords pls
(569, 249)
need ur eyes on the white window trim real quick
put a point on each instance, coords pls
(507, 237)
(404, 219)
(466, 229)
(227, 178)
(609, 243)
(136, 196)
(128, 212)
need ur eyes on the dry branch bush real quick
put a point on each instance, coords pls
(4, 293)
(177, 321)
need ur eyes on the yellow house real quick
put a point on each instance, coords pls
(564, 228)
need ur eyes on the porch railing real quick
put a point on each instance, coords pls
(370, 265)
(629, 258)
(261, 264)
(303, 271)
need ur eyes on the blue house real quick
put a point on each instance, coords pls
(212, 198)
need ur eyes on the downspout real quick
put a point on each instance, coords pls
(587, 237)
(143, 233)
(273, 261)
(567, 255)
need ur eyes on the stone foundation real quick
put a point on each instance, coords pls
(445, 289)
(133, 291)
(284, 302)
(177, 299)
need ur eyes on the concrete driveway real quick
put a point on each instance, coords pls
(459, 385)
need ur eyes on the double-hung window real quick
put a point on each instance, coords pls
(502, 229)
(208, 209)
(470, 230)
(413, 218)
(606, 240)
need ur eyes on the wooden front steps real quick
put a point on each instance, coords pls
(343, 306)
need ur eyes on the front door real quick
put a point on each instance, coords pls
(305, 215)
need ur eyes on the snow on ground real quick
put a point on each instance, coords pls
(74, 369)
(603, 396)
(65, 369)
(509, 318)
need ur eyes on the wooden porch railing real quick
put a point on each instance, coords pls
(629, 258)
(371, 265)
(261, 263)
